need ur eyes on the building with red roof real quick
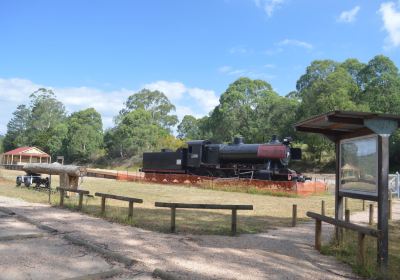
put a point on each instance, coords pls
(24, 155)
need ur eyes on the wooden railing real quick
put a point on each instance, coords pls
(362, 232)
(234, 209)
(105, 196)
(80, 192)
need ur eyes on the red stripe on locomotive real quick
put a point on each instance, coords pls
(272, 151)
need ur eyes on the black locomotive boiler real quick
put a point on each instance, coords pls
(267, 161)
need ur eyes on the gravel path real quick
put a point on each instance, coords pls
(284, 253)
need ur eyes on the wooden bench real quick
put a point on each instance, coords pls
(234, 209)
(80, 192)
(362, 232)
(131, 200)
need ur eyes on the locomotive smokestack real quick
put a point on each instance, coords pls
(238, 140)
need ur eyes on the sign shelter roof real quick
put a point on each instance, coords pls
(338, 125)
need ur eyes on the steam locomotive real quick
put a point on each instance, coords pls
(267, 161)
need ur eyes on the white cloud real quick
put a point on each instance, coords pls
(269, 6)
(173, 90)
(391, 23)
(207, 98)
(296, 43)
(195, 101)
(350, 15)
(176, 90)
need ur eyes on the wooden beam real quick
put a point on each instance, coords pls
(343, 224)
(204, 206)
(73, 190)
(118, 197)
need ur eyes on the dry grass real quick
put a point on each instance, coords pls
(269, 211)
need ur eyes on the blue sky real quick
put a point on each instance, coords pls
(97, 53)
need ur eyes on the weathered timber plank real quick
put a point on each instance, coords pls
(343, 224)
(73, 190)
(118, 197)
(204, 206)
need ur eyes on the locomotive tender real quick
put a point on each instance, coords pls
(267, 161)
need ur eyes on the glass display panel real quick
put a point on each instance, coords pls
(359, 165)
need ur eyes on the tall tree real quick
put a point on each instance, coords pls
(84, 140)
(241, 107)
(324, 87)
(47, 124)
(154, 102)
(136, 132)
(17, 128)
(381, 85)
(189, 128)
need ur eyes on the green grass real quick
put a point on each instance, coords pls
(347, 252)
(269, 211)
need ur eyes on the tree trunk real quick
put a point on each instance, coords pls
(55, 169)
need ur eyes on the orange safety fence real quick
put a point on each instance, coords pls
(299, 188)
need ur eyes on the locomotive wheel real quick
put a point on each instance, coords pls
(18, 181)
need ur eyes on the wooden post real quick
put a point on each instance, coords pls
(61, 197)
(338, 198)
(318, 229)
(346, 203)
(130, 213)
(347, 218)
(360, 255)
(390, 208)
(294, 215)
(234, 221)
(80, 201)
(103, 205)
(347, 215)
(383, 207)
(371, 214)
(173, 213)
(363, 205)
(323, 207)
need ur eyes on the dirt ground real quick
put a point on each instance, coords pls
(284, 253)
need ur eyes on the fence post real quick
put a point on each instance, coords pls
(173, 213)
(390, 207)
(363, 205)
(294, 215)
(130, 213)
(360, 255)
(323, 207)
(347, 216)
(397, 181)
(61, 197)
(103, 205)
(371, 214)
(318, 229)
(234, 219)
(80, 201)
(346, 203)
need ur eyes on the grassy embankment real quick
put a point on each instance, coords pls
(269, 211)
